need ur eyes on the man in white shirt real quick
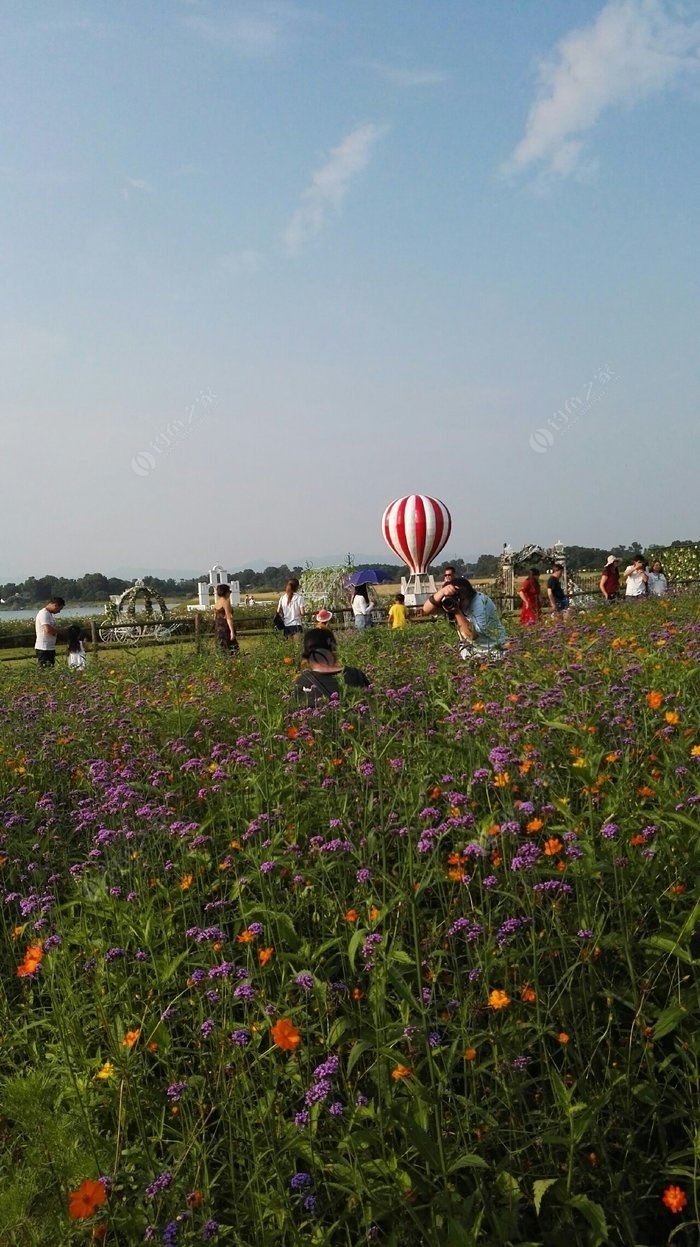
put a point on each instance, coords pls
(46, 632)
(636, 579)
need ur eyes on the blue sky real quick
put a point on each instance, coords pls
(327, 255)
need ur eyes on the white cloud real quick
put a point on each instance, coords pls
(633, 49)
(401, 76)
(135, 184)
(253, 29)
(329, 186)
(245, 261)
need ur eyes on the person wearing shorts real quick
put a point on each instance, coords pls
(47, 632)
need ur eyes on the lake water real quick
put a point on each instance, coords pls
(80, 610)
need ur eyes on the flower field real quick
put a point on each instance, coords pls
(417, 970)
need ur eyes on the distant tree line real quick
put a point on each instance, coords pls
(96, 587)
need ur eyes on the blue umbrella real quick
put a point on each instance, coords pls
(370, 576)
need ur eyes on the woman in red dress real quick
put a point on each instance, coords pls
(530, 597)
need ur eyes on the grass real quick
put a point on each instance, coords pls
(418, 970)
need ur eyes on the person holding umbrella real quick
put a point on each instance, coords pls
(362, 604)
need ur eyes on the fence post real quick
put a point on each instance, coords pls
(94, 638)
(197, 642)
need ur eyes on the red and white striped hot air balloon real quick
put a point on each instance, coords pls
(416, 528)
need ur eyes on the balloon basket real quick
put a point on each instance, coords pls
(417, 588)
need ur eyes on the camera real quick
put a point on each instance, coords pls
(450, 605)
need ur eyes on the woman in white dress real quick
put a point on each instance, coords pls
(77, 657)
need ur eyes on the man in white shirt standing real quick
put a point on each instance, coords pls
(46, 632)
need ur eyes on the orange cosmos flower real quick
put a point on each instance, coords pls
(638, 839)
(645, 791)
(675, 1198)
(563, 1037)
(194, 1199)
(436, 792)
(351, 915)
(131, 1038)
(502, 780)
(528, 994)
(245, 937)
(186, 882)
(285, 1035)
(525, 766)
(672, 717)
(292, 732)
(552, 846)
(32, 960)
(87, 1199)
(677, 889)
(494, 829)
(654, 700)
(499, 999)
(357, 993)
(469, 1054)
(455, 874)
(535, 824)
(401, 1071)
(374, 913)
(695, 751)
(265, 955)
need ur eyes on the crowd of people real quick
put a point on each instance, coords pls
(473, 615)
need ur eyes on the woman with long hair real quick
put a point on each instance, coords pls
(362, 607)
(290, 608)
(224, 627)
(529, 595)
(657, 584)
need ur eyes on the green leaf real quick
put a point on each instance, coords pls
(668, 1020)
(458, 1235)
(423, 1143)
(508, 1186)
(355, 1053)
(468, 1161)
(337, 1029)
(357, 939)
(169, 969)
(662, 944)
(595, 1217)
(539, 1190)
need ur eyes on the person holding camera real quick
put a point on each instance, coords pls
(475, 616)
